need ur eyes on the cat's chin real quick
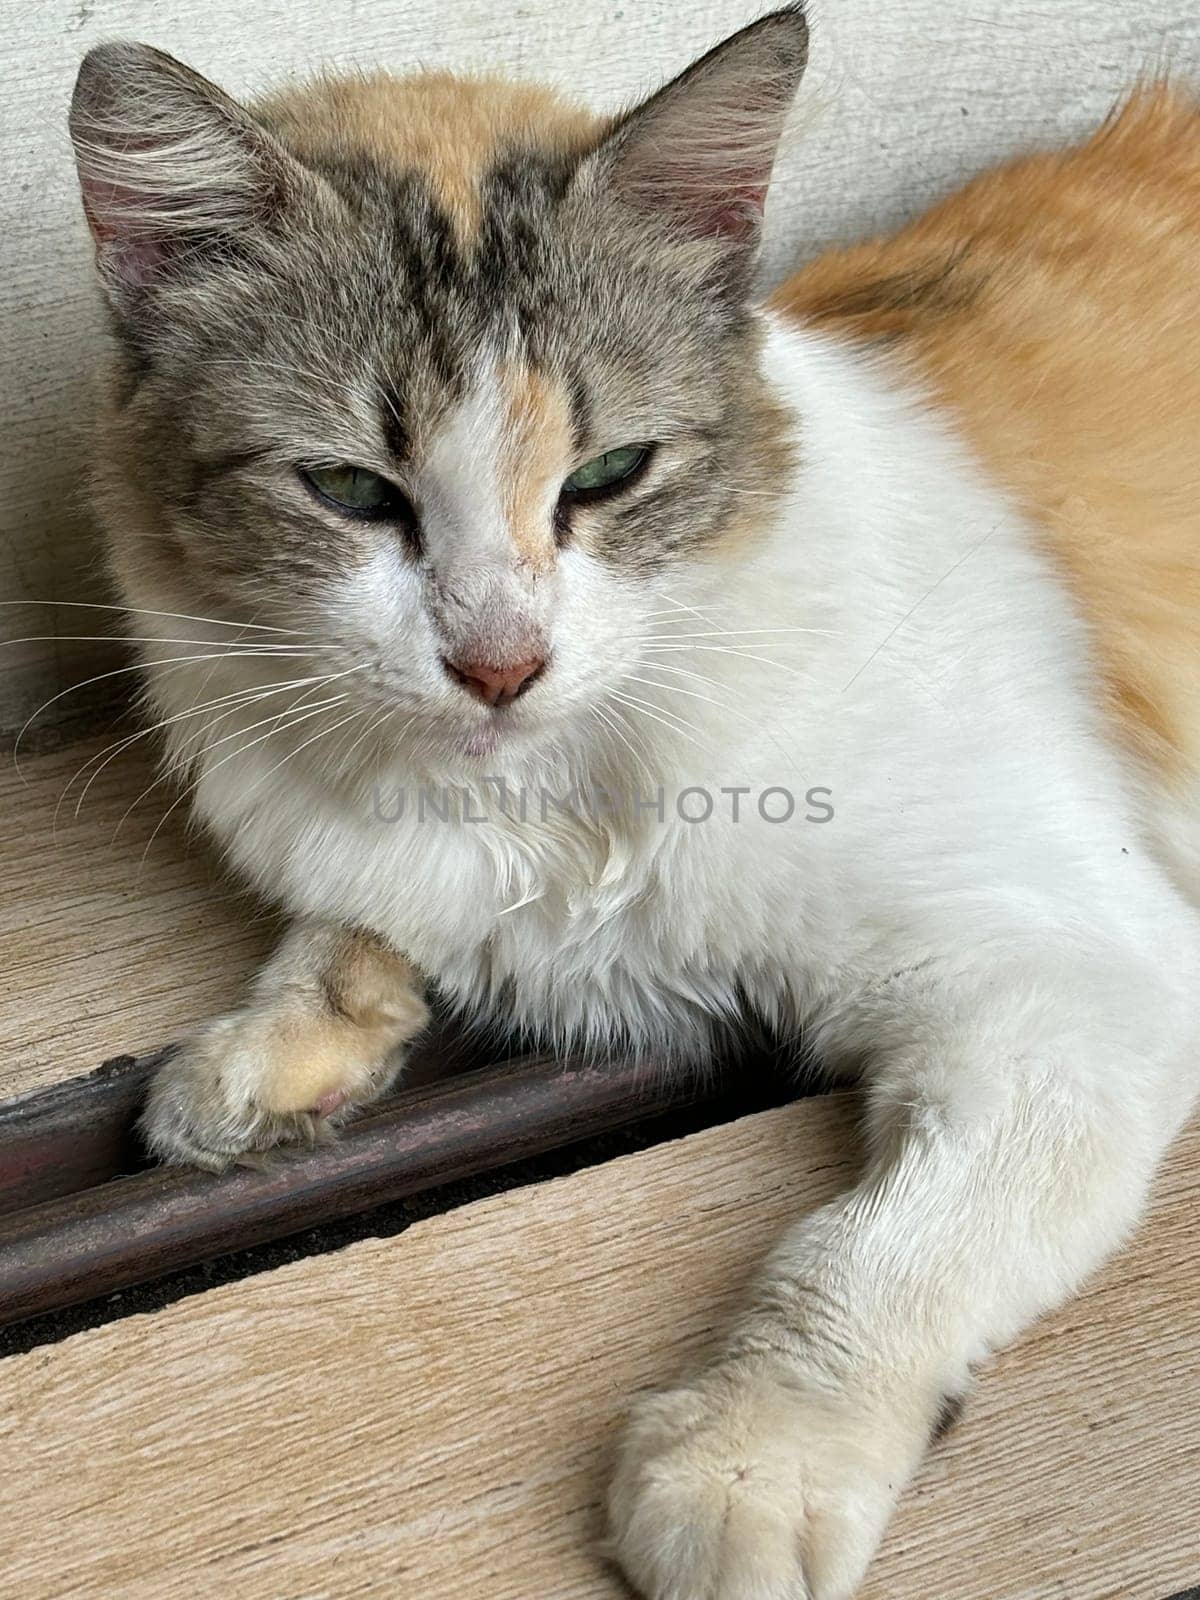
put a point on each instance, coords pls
(482, 743)
(478, 749)
(479, 745)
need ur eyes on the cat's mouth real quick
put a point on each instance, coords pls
(500, 695)
(481, 740)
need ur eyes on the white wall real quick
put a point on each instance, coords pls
(903, 98)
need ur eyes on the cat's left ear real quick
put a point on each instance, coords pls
(698, 154)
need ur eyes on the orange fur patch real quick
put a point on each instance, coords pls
(1054, 307)
(371, 986)
(312, 1057)
(446, 127)
(535, 459)
(369, 1001)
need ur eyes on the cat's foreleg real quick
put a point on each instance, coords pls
(1012, 1137)
(318, 1035)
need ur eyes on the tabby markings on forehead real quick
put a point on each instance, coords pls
(450, 130)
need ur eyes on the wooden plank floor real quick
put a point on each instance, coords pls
(428, 1416)
(109, 943)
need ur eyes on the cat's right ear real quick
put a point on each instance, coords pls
(167, 163)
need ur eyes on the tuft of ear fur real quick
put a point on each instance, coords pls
(166, 160)
(699, 153)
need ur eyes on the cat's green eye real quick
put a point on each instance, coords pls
(354, 489)
(607, 471)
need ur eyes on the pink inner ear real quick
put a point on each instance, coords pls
(709, 167)
(135, 265)
(738, 214)
(122, 248)
(700, 152)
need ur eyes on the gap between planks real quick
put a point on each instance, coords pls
(429, 1415)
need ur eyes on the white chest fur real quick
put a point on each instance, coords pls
(935, 697)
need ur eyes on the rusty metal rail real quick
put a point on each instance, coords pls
(81, 1215)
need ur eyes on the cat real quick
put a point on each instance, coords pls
(449, 442)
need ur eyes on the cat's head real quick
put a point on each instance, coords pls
(452, 381)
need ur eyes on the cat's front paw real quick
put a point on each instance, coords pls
(750, 1484)
(259, 1079)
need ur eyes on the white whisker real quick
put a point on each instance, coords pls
(612, 724)
(247, 647)
(116, 672)
(187, 759)
(322, 733)
(303, 716)
(684, 672)
(238, 700)
(728, 650)
(203, 746)
(647, 710)
(143, 611)
(673, 688)
(370, 728)
(740, 633)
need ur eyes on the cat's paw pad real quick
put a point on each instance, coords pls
(250, 1082)
(741, 1486)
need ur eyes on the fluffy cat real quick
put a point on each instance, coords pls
(871, 612)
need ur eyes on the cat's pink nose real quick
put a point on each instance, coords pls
(496, 686)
